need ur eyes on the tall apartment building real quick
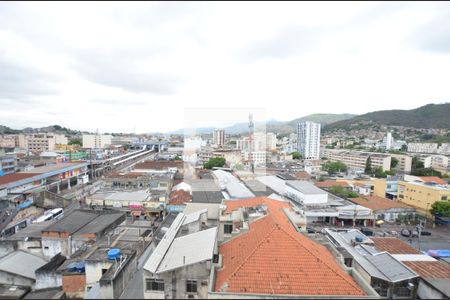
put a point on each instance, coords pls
(219, 137)
(261, 142)
(357, 159)
(308, 140)
(40, 142)
(96, 140)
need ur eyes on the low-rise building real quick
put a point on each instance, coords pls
(8, 164)
(265, 256)
(421, 195)
(423, 147)
(181, 263)
(18, 268)
(384, 209)
(358, 159)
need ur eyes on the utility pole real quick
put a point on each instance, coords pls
(251, 127)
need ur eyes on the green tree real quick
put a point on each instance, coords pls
(75, 142)
(214, 162)
(404, 148)
(296, 155)
(334, 167)
(343, 192)
(394, 162)
(441, 208)
(368, 168)
(379, 173)
(177, 157)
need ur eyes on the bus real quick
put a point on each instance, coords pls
(54, 214)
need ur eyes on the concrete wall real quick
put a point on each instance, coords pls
(48, 280)
(12, 279)
(425, 291)
(6, 247)
(33, 247)
(178, 277)
(113, 290)
(53, 246)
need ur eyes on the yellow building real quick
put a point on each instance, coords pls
(421, 195)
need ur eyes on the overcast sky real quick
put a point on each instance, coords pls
(127, 67)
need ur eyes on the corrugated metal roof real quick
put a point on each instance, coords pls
(21, 263)
(390, 267)
(305, 187)
(189, 249)
(195, 216)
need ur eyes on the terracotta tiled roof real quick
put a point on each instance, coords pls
(378, 203)
(302, 175)
(393, 245)
(330, 183)
(179, 197)
(430, 269)
(360, 184)
(432, 179)
(273, 258)
(14, 177)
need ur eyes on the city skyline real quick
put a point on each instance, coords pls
(136, 67)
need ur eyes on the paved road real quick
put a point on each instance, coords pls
(135, 288)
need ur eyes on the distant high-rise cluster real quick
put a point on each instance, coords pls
(219, 137)
(308, 140)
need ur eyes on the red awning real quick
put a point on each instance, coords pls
(136, 213)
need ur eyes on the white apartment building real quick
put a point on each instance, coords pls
(423, 147)
(41, 142)
(259, 158)
(308, 139)
(261, 142)
(434, 161)
(444, 149)
(357, 159)
(219, 137)
(96, 140)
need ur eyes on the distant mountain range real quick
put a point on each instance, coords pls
(275, 126)
(427, 116)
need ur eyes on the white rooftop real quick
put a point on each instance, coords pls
(189, 249)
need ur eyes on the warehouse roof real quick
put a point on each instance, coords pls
(21, 263)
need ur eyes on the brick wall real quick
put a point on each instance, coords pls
(74, 284)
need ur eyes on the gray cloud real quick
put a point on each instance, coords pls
(121, 69)
(20, 82)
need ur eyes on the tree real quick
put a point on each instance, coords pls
(75, 142)
(343, 192)
(214, 162)
(296, 155)
(177, 157)
(368, 169)
(394, 162)
(334, 167)
(404, 148)
(416, 164)
(379, 173)
(441, 208)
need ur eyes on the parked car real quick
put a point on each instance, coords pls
(367, 231)
(405, 232)
(310, 230)
(415, 233)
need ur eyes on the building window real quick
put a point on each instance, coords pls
(444, 198)
(191, 286)
(227, 228)
(154, 284)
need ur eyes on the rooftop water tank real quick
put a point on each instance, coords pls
(80, 267)
(72, 267)
(358, 239)
(113, 253)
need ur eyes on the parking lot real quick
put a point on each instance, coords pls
(439, 238)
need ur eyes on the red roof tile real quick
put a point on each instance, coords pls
(393, 245)
(378, 203)
(273, 258)
(433, 179)
(430, 269)
(15, 177)
(179, 197)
